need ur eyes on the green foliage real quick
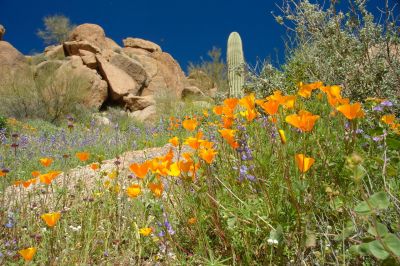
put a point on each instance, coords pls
(350, 47)
(210, 74)
(56, 29)
(3, 122)
(48, 96)
(235, 61)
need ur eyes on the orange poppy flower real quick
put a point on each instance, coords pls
(28, 253)
(95, 166)
(227, 122)
(2, 173)
(35, 173)
(388, 119)
(270, 107)
(140, 170)
(46, 162)
(133, 191)
(29, 182)
(51, 219)
(157, 189)
(304, 120)
(231, 103)
(304, 163)
(82, 156)
(208, 154)
(48, 178)
(286, 101)
(229, 136)
(305, 90)
(282, 136)
(190, 124)
(18, 183)
(351, 111)
(174, 141)
(192, 221)
(193, 142)
(145, 231)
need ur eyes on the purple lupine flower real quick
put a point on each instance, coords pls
(378, 108)
(387, 103)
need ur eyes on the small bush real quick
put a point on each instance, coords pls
(46, 96)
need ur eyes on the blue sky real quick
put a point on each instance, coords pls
(185, 29)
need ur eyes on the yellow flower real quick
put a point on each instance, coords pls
(28, 253)
(174, 141)
(304, 163)
(174, 169)
(388, 119)
(51, 219)
(282, 136)
(133, 191)
(145, 231)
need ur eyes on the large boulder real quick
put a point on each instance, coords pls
(192, 91)
(132, 52)
(119, 82)
(146, 115)
(141, 44)
(91, 85)
(11, 60)
(74, 47)
(112, 45)
(2, 32)
(169, 78)
(132, 67)
(54, 52)
(92, 33)
(135, 103)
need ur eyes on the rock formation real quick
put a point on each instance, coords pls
(132, 76)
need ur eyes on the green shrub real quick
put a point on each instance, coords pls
(46, 96)
(340, 47)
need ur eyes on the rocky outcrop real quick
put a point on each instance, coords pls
(147, 114)
(91, 33)
(132, 67)
(192, 91)
(11, 60)
(141, 44)
(119, 82)
(131, 76)
(92, 86)
(2, 32)
(135, 103)
(54, 52)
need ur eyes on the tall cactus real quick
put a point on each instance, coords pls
(235, 61)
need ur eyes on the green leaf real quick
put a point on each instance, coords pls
(393, 143)
(362, 208)
(393, 243)
(376, 249)
(379, 200)
(380, 229)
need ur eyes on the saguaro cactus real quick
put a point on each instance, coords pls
(235, 61)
